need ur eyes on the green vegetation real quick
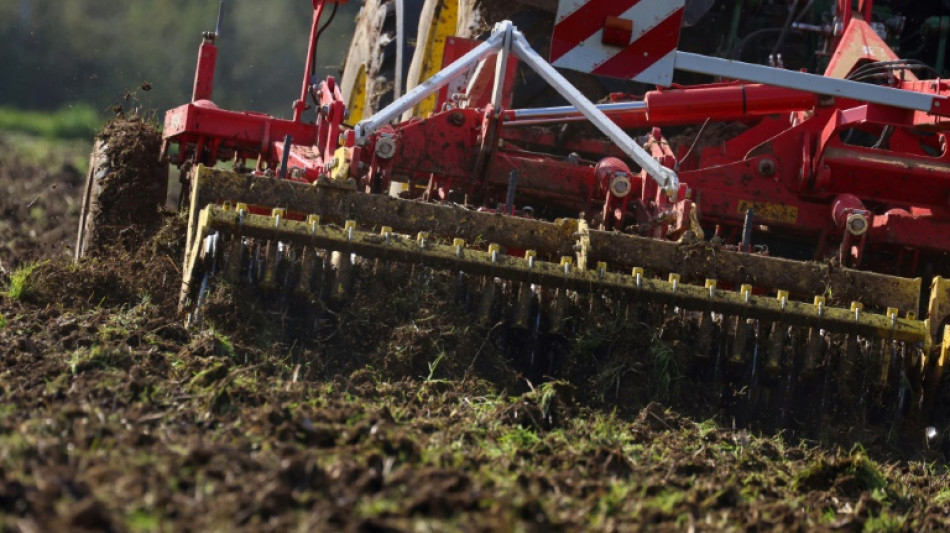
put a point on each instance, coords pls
(108, 53)
(19, 286)
(76, 121)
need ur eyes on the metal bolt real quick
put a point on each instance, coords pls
(857, 224)
(385, 147)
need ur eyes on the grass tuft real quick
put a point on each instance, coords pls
(19, 286)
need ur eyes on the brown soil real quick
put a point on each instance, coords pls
(400, 413)
(40, 210)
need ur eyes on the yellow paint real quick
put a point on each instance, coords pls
(356, 103)
(341, 171)
(770, 211)
(442, 26)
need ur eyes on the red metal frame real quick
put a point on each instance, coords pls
(811, 168)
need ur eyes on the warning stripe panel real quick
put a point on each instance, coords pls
(644, 52)
(578, 44)
(581, 24)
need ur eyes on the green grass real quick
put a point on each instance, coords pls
(45, 153)
(19, 285)
(76, 121)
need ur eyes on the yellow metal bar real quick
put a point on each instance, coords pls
(336, 201)
(563, 275)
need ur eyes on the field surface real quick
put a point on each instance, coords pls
(399, 414)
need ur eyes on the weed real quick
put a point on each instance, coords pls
(666, 501)
(95, 357)
(378, 506)
(885, 522)
(143, 521)
(664, 371)
(19, 286)
(434, 365)
(224, 345)
(518, 439)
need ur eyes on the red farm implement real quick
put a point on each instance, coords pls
(803, 237)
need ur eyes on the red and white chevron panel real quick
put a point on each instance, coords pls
(630, 39)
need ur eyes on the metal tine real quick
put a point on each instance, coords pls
(309, 261)
(487, 308)
(525, 307)
(815, 343)
(850, 362)
(888, 364)
(901, 389)
(557, 314)
(236, 254)
(341, 264)
(777, 336)
(915, 377)
(341, 267)
(766, 380)
(381, 266)
(235, 250)
(633, 306)
(487, 299)
(526, 302)
(774, 352)
(598, 301)
(814, 352)
(305, 270)
(268, 278)
(287, 268)
(704, 334)
(740, 335)
(879, 383)
(463, 282)
(560, 302)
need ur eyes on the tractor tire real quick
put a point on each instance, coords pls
(376, 66)
(125, 189)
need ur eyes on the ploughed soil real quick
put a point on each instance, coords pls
(397, 410)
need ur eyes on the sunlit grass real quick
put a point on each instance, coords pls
(44, 153)
(75, 121)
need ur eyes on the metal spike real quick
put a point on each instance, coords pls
(523, 308)
(739, 342)
(772, 367)
(486, 306)
(236, 258)
(269, 275)
(531, 256)
(494, 250)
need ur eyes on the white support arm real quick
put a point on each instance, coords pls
(431, 85)
(665, 177)
(803, 81)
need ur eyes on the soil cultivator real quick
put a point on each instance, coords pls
(803, 251)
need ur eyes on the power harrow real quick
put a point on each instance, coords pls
(798, 250)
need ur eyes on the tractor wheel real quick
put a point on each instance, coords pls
(125, 189)
(377, 64)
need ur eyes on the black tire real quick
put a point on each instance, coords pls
(369, 72)
(125, 189)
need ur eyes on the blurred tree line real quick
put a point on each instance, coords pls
(99, 52)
